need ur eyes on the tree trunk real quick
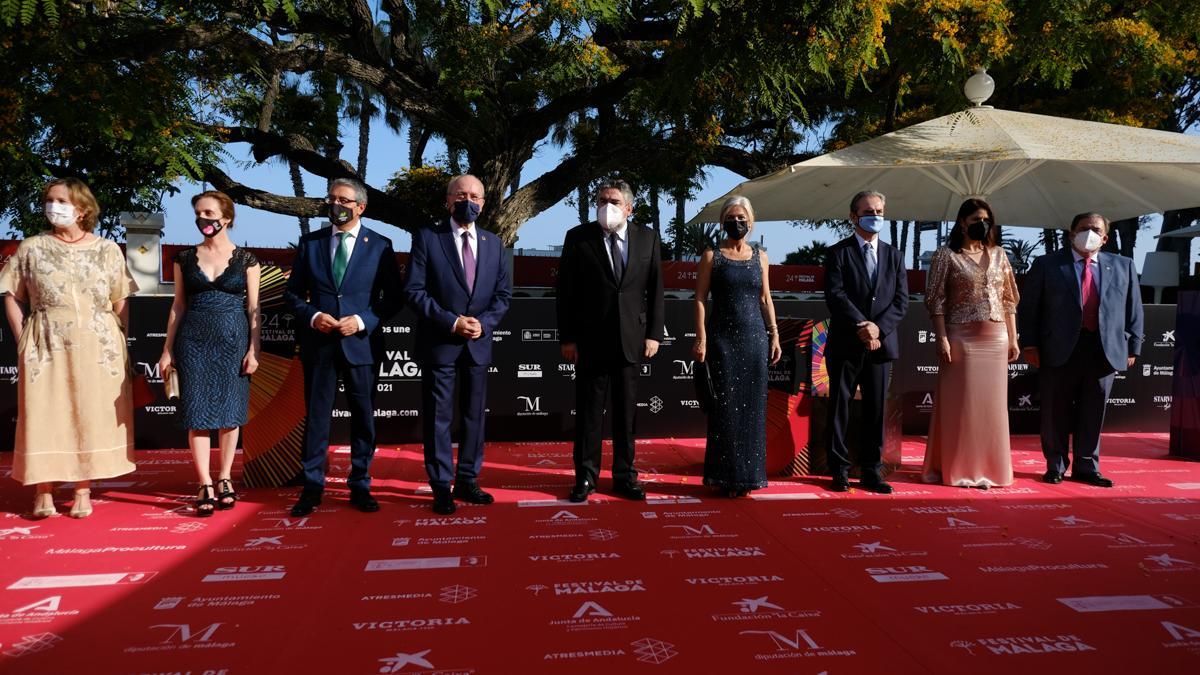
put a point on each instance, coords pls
(895, 233)
(655, 212)
(680, 219)
(1127, 229)
(298, 189)
(916, 245)
(417, 139)
(584, 203)
(270, 96)
(904, 238)
(364, 131)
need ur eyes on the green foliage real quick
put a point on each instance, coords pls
(811, 254)
(422, 192)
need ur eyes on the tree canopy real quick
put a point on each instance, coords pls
(136, 96)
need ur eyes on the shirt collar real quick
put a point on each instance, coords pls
(1075, 255)
(459, 228)
(874, 243)
(353, 231)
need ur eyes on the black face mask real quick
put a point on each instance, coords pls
(209, 227)
(340, 215)
(736, 229)
(979, 231)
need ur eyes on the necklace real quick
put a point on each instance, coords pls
(70, 241)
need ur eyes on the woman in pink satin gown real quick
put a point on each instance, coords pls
(972, 298)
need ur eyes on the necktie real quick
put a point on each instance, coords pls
(869, 256)
(1090, 297)
(468, 262)
(614, 246)
(341, 258)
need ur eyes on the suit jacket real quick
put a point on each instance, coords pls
(1050, 314)
(370, 289)
(851, 299)
(592, 306)
(436, 290)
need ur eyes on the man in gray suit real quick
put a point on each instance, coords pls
(1080, 321)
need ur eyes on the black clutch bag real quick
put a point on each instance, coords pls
(706, 394)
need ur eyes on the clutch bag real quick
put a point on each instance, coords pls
(171, 383)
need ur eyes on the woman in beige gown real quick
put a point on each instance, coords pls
(972, 298)
(65, 302)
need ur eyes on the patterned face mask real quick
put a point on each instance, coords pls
(209, 227)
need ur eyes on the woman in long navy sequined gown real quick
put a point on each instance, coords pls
(212, 343)
(737, 338)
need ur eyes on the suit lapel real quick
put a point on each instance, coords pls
(597, 241)
(359, 252)
(1073, 281)
(1105, 263)
(450, 249)
(325, 254)
(881, 263)
(856, 259)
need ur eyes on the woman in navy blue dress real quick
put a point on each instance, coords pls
(737, 337)
(212, 343)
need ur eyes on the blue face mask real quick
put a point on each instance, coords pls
(466, 211)
(872, 224)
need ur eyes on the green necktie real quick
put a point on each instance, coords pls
(341, 258)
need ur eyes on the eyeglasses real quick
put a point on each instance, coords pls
(344, 201)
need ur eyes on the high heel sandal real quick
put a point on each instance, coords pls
(226, 492)
(43, 505)
(205, 504)
(82, 508)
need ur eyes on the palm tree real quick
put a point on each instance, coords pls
(1020, 252)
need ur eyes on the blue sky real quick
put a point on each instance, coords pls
(388, 153)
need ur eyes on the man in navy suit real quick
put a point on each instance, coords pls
(1080, 321)
(458, 285)
(866, 290)
(343, 285)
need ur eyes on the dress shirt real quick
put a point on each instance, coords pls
(622, 236)
(333, 247)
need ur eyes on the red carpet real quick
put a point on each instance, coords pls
(1029, 579)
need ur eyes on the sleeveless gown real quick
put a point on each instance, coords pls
(211, 341)
(735, 455)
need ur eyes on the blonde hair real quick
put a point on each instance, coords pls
(82, 199)
(736, 200)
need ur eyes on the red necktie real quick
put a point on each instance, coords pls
(1091, 298)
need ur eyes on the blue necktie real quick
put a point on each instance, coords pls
(869, 255)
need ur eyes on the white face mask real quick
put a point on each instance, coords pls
(610, 217)
(60, 215)
(1089, 241)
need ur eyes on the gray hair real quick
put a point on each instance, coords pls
(463, 176)
(360, 190)
(863, 195)
(736, 200)
(615, 184)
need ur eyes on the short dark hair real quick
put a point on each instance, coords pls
(957, 233)
(1084, 216)
(614, 183)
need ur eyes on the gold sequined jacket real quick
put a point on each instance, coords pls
(965, 291)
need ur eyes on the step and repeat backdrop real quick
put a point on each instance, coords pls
(531, 391)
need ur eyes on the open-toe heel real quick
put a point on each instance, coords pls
(226, 498)
(205, 502)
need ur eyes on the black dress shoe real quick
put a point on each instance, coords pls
(443, 502)
(1092, 479)
(1052, 477)
(630, 490)
(839, 484)
(307, 503)
(363, 501)
(470, 493)
(580, 492)
(876, 485)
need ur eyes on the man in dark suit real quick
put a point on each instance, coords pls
(610, 317)
(1080, 320)
(458, 285)
(343, 285)
(866, 289)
